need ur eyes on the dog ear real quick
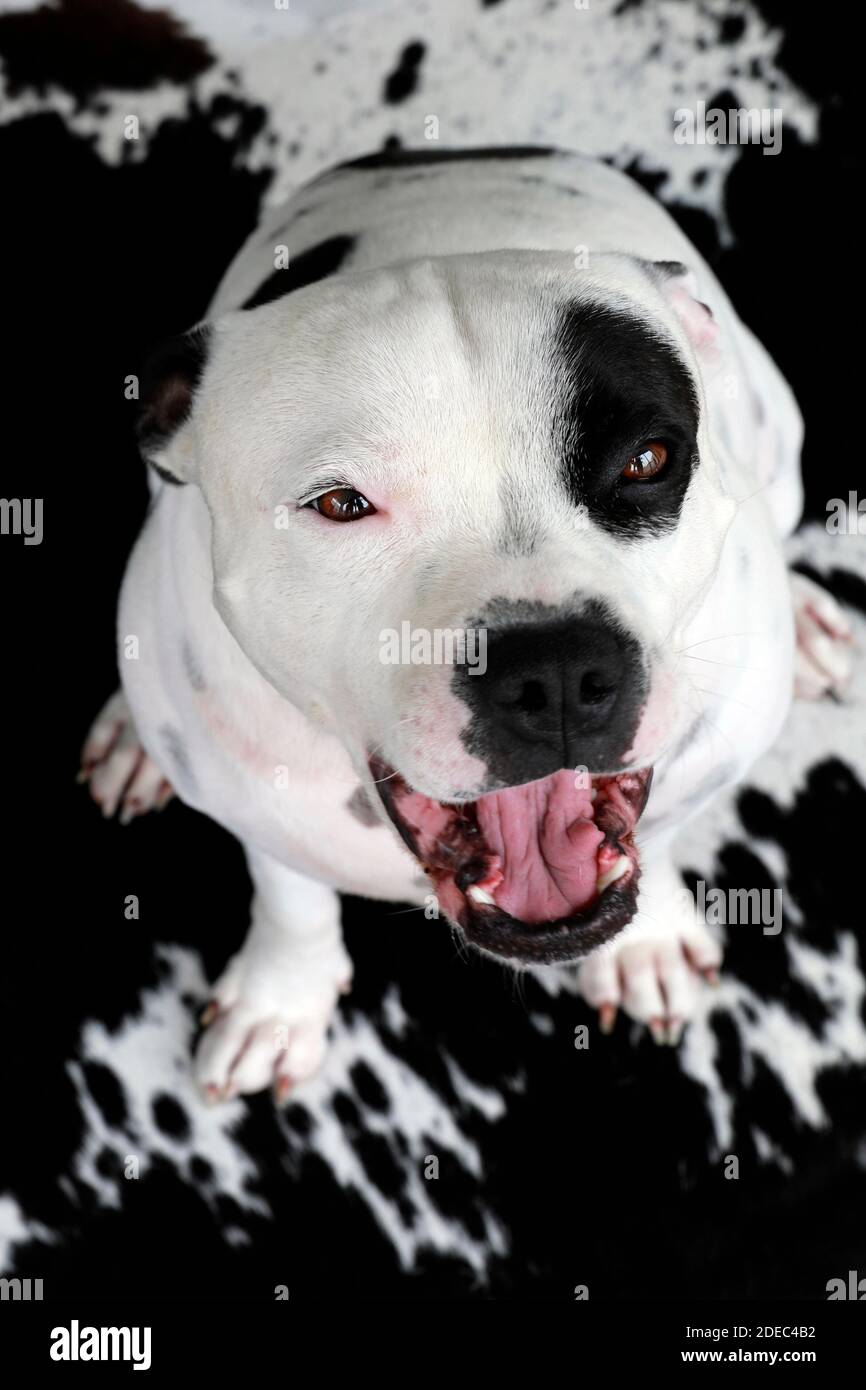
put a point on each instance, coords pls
(679, 286)
(168, 382)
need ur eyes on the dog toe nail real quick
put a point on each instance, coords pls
(282, 1089)
(606, 1018)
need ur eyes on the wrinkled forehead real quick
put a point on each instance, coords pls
(410, 370)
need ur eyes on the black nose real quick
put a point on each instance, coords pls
(545, 681)
(555, 694)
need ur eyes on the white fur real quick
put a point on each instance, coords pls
(422, 376)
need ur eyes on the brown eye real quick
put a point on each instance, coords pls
(342, 504)
(650, 461)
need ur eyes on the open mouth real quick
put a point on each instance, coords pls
(539, 873)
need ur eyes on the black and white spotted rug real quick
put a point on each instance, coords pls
(555, 1166)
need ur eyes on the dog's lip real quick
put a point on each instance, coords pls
(566, 940)
(492, 929)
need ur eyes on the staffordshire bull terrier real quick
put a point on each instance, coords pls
(490, 391)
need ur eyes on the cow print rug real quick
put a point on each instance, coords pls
(458, 1142)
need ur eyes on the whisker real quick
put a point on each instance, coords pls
(460, 946)
(723, 637)
(723, 695)
(715, 728)
(732, 665)
(741, 500)
(377, 781)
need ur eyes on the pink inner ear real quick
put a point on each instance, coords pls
(700, 326)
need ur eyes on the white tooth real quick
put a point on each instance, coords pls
(616, 870)
(593, 793)
(480, 895)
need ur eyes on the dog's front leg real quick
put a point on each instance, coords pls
(653, 970)
(268, 1020)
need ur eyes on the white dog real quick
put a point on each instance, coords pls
(494, 393)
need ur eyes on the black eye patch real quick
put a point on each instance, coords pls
(618, 388)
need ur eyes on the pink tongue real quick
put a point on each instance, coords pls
(546, 841)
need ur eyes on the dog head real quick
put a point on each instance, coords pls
(462, 512)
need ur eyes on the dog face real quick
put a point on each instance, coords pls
(494, 461)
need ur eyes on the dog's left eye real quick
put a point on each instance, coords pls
(647, 463)
(342, 504)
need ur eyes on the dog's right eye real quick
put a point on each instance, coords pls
(342, 504)
(647, 463)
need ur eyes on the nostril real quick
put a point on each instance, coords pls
(521, 696)
(595, 688)
(532, 698)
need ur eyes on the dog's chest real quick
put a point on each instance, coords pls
(292, 792)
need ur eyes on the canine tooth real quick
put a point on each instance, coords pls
(616, 870)
(480, 895)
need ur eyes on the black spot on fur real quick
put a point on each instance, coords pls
(759, 958)
(170, 1117)
(308, 267)
(107, 1091)
(731, 28)
(394, 157)
(827, 902)
(729, 1052)
(381, 1163)
(192, 667)
(346, 1111)
(402, 82)
(540, 181)
(108, 1164)
(200, 1169)
(85, 45)
(298, 1119)
(360, 807)
(249, 118)
(622, 386)
(369, 1087)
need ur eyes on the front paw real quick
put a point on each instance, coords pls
(267, 1026)
(119, 772)
(823, 661)
(653, 973)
